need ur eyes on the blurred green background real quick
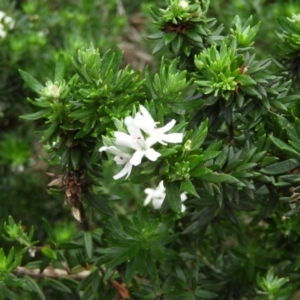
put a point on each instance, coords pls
(41, 31)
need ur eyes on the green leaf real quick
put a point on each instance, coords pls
(204, 294)
(82, 113)
(130, 270)
(188, 187)
(194, 36)
(75, 157)
(199, 138)
(159, 46)
(188, 104)
(119, 259)
(281, 167)
(246, 166)
(88, 244)
(203, 217)
(47, 134)
(7, 292)
(169, 37)
(194, 160)
(200, 172)
(251, 91)
(98, 203)
(279, 105)
(10, 256)
(95, 280)
(140, 260)
(245, 80)
(48, 252)
(69, 245)
(155, 36)
(216, 177)
(31, 82)
(173, 195)
(49, 230)
(57, 285)
(34, 287)
(208, 155)
(176, 45)
(71, 283)
(59, 69)
(284, 147)
(37, 115)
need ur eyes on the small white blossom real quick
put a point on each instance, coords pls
(6, 22)
(2, 31)
(10, 22)
(145, 121)
(136, 141)
(121, 158)
(157, 196)
(183, 4)
(2, 15)
(52, 90)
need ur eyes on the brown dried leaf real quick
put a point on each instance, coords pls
(121, 288)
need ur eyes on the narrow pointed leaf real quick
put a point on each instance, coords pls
(31, 82)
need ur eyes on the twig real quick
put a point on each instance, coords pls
(50, 272)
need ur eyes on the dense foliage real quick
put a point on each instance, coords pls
(167, 177)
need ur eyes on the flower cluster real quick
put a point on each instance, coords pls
(5, 22)
(158, 195)
(129, 149)
(52, 90)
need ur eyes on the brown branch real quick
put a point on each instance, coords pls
(59, 273)
(50, 272)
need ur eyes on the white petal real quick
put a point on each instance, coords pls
(146, 125)
(183, 208)
(150, 141)
(9, 21)
(157, 203)
(104, 148)
(115, 151)
(161, 186)
(133, 130)
(2, 15)
(172, 138)
(146, 114)
(151, 154)
(2, 33)
(149, 191)
(126, 170)
(183, 196)
(147, 200)
(137, 157)
(167, 127)
(121, 160)
(128, 120)
(125, 140)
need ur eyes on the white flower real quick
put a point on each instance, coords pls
(183, 197)
(183, 4)
(136, 141)
(158, 195)
(2, 31)
(5, 21)
(10, 22)
(121, 158)
(2, 15)
(144, 121)
(52, 90)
